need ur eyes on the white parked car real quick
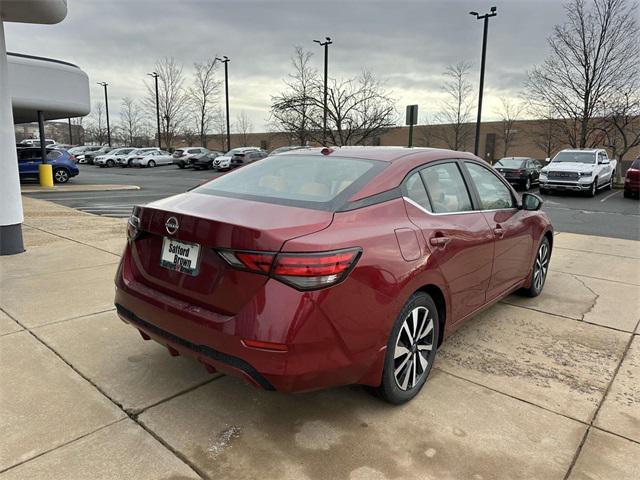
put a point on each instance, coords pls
(111, 159)
(236, 157)
(35, 142)
(584, 170)
(152, 159)
(127, 160)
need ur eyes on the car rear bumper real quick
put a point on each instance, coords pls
(632, 186)
(317, 355)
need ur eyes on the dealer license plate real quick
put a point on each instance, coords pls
(180, 256)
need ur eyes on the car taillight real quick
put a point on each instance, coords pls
(133, 225)
(304, 271)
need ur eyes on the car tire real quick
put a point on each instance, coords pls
(543, 191)
(527, 185)
(405, 368)
(181, 165)
(151, 163)
(61, 175)
(611, 180)
(593, 188)
(539, 270)
(129, 163)
(111, 163)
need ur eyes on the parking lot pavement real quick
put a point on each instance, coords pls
(531, 388)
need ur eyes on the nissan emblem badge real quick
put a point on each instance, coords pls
(172, 225)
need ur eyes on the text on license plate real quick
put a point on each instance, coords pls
(180, 256)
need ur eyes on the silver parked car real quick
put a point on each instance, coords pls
(127, 160)
(152, 159)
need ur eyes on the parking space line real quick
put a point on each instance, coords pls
(609, 196)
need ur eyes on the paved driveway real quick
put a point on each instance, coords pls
(544, 388)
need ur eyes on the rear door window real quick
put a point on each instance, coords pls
(318, 182)
(447, 190)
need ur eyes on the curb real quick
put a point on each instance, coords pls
(77, 188)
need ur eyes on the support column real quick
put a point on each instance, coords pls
(11, 216)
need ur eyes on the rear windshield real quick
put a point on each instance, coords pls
(636, 164)
(509, 163)
(575, 157)
(322, 183)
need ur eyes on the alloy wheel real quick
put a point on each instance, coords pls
(413, 346)
(61, 176)
(541, 266)
(527, 186)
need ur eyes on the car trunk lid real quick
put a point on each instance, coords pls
(214, 223)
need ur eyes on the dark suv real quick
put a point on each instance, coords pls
(64, 166)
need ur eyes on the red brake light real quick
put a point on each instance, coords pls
(304, 271)
(313, 265)
(256, 261)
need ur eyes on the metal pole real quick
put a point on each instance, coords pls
(226, 97)
(158, 111)
(106, 105)
(326, 75)
(325, 44)
(482, 64)
(70, 134)
(411, 135)
(484, 17)
(43, 146)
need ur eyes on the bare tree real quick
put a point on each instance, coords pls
(96, 131)
(358, 109)
(456, 109)
(202, 96)
(620, 124)
(294, 111)
(509, 112)
(243, 126)
(172, 98)
(219, 127)
(130, 120)
(592, 55)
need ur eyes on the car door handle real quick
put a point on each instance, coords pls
(498, 231)
(439, 241)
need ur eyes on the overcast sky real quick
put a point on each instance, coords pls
(408, 44)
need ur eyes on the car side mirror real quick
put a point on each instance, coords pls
(531, 202)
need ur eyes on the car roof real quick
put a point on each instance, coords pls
(401, 161)
(587, 150)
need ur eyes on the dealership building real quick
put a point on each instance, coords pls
(30, 85)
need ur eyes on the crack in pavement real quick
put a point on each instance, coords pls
(596, 296)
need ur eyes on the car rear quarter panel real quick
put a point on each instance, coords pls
(362, 308)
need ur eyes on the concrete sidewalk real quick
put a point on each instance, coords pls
(545, 388)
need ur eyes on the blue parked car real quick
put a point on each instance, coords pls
(62, 162)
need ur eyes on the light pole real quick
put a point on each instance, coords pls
(106, 106)
(155, 76)
(226, 60)
(484, 17)
(70, 134)
(325, 44)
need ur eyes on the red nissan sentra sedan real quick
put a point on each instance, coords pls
(325, 267)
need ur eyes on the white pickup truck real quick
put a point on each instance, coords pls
(584, 170)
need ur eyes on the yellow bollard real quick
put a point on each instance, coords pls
(45, 172)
